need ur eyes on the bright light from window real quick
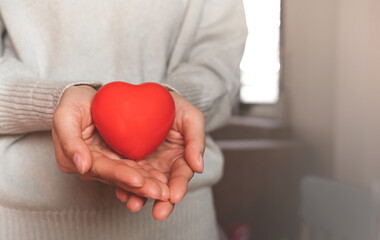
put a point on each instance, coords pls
(261, 61)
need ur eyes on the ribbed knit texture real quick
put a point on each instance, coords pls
(113, 223)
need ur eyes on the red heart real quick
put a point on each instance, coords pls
(134, 120)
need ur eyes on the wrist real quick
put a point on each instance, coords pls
(84, 87)
(78, 95)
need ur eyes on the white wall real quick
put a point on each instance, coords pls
(309, 40)
(357, 115)
(332, 83)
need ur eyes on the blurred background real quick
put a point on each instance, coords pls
(309, 106)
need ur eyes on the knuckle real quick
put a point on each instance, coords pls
(189, 173)
(94, 172)
(64, 169)
(66, 148)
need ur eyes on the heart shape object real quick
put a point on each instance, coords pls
(133, 120)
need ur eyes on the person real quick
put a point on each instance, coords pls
(54, 56)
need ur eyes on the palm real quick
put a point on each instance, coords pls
(170, 151)
(167, 164)
(155, 181)
(96, 144)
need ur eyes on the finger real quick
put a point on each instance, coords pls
(116, 171)
(63, 163)
(154, 178)
(162, 209)
(179, 180)
(155, 172)
(165, 192)
(67, 125)
(122, 195)
(136, 203)
(194, 135)
(151, 189)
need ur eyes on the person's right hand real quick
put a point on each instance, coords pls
(79, 149)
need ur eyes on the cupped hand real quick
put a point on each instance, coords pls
(177, 158)
(79, 149)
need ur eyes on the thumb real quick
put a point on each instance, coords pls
(194, 136)
(69, 133)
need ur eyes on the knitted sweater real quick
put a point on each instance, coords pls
(192, 46)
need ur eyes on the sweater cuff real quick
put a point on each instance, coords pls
(95, 85)
(201, 95)
(170, 88)
(28, 106)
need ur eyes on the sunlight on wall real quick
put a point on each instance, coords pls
(261, 61)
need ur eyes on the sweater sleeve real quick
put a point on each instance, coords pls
(27, 102)
(209, 74)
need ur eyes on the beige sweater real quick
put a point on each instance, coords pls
(193, 46)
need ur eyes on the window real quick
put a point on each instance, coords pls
(261, 61)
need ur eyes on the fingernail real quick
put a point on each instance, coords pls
(165, 195)
(123, 196)
(201, 163)
(137, 182)
(79, 164)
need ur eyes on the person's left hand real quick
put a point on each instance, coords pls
(177, 158)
